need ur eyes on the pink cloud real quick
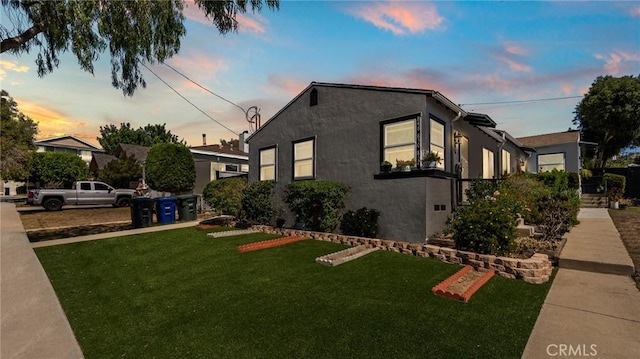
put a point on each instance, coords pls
(510, 55)
(618, 61)
(399, 18)
(515, 49)
(635, 11)
(291, 86)
(200, 63)
(567, 89)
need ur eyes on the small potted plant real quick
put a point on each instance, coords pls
(431, 159)
(405, 165)
(385, 167)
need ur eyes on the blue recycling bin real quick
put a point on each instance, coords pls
(165, 210)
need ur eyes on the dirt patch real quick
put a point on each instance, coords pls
(627, 221)
(74, 217)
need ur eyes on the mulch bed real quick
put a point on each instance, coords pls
(59, 233)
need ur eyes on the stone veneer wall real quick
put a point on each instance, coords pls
(536, 269)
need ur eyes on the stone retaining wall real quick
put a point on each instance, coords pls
(536, 269)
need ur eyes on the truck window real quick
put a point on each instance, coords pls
(85, 186)
(101, 187)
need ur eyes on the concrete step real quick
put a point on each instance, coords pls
(525, 230)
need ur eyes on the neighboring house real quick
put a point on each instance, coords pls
(343, 132)
(212, 162)
(215, 161)
(67, 144)
(98, 161)
(560, 150)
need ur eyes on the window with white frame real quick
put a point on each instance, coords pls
(436, 137)
(487, 164)
(244, 168)
(550, 162)
(399, 140)
(268, 164)
(303, 156)
(506, 161)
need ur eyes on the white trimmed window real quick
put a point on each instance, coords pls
(399, 141)
(506, 161)
(303, 156)
(488, 165)
(268, 164)
(436, 137)
(550, 162)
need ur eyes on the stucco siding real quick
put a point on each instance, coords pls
(346, 127)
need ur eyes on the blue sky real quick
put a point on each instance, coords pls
(472, 52)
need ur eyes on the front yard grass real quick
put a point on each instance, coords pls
(180, 294)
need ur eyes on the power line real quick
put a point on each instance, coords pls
(204, 88)
(520, 101)
(184, 98)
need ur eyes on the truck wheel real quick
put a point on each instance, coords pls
(123, 202)
(52, 204)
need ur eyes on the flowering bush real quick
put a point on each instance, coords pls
(487, 225)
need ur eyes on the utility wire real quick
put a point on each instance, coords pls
(184, 98)
(204, 88)
(520, 101)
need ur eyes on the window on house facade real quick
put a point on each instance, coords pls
(399, 140)
(506, 161)
(231, 168)
(268, 164)
(303, 159)
(436, 137)
(487, 164)
(550, 162)
(244, 168)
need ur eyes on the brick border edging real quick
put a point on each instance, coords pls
(441, 288)
(536, 269)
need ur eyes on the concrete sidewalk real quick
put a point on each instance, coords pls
(33, 324)
(593, 306)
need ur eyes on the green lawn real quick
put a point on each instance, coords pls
(179, 294)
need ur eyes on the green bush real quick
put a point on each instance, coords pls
(525, 190)
(362, 223)
(120, 172)
(170, 168)
(487, 225)
(480, 188)
(225, 195)
(317, 204)
(57, 169)
(615, 185)
(257, 202)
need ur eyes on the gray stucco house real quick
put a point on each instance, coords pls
(342, 132)
(559, 150)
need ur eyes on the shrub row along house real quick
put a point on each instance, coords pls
(343, 133)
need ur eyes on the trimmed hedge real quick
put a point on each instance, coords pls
(257, 202)
(225, 195)
(316, 204)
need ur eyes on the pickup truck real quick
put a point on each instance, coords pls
(82, 192)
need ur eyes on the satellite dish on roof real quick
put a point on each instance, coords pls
(253, 117)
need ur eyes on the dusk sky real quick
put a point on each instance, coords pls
(472, 52)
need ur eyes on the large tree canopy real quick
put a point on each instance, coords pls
(111, 136)
(57, 169)
(609, 114)
(17, 133)
(134, 31)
